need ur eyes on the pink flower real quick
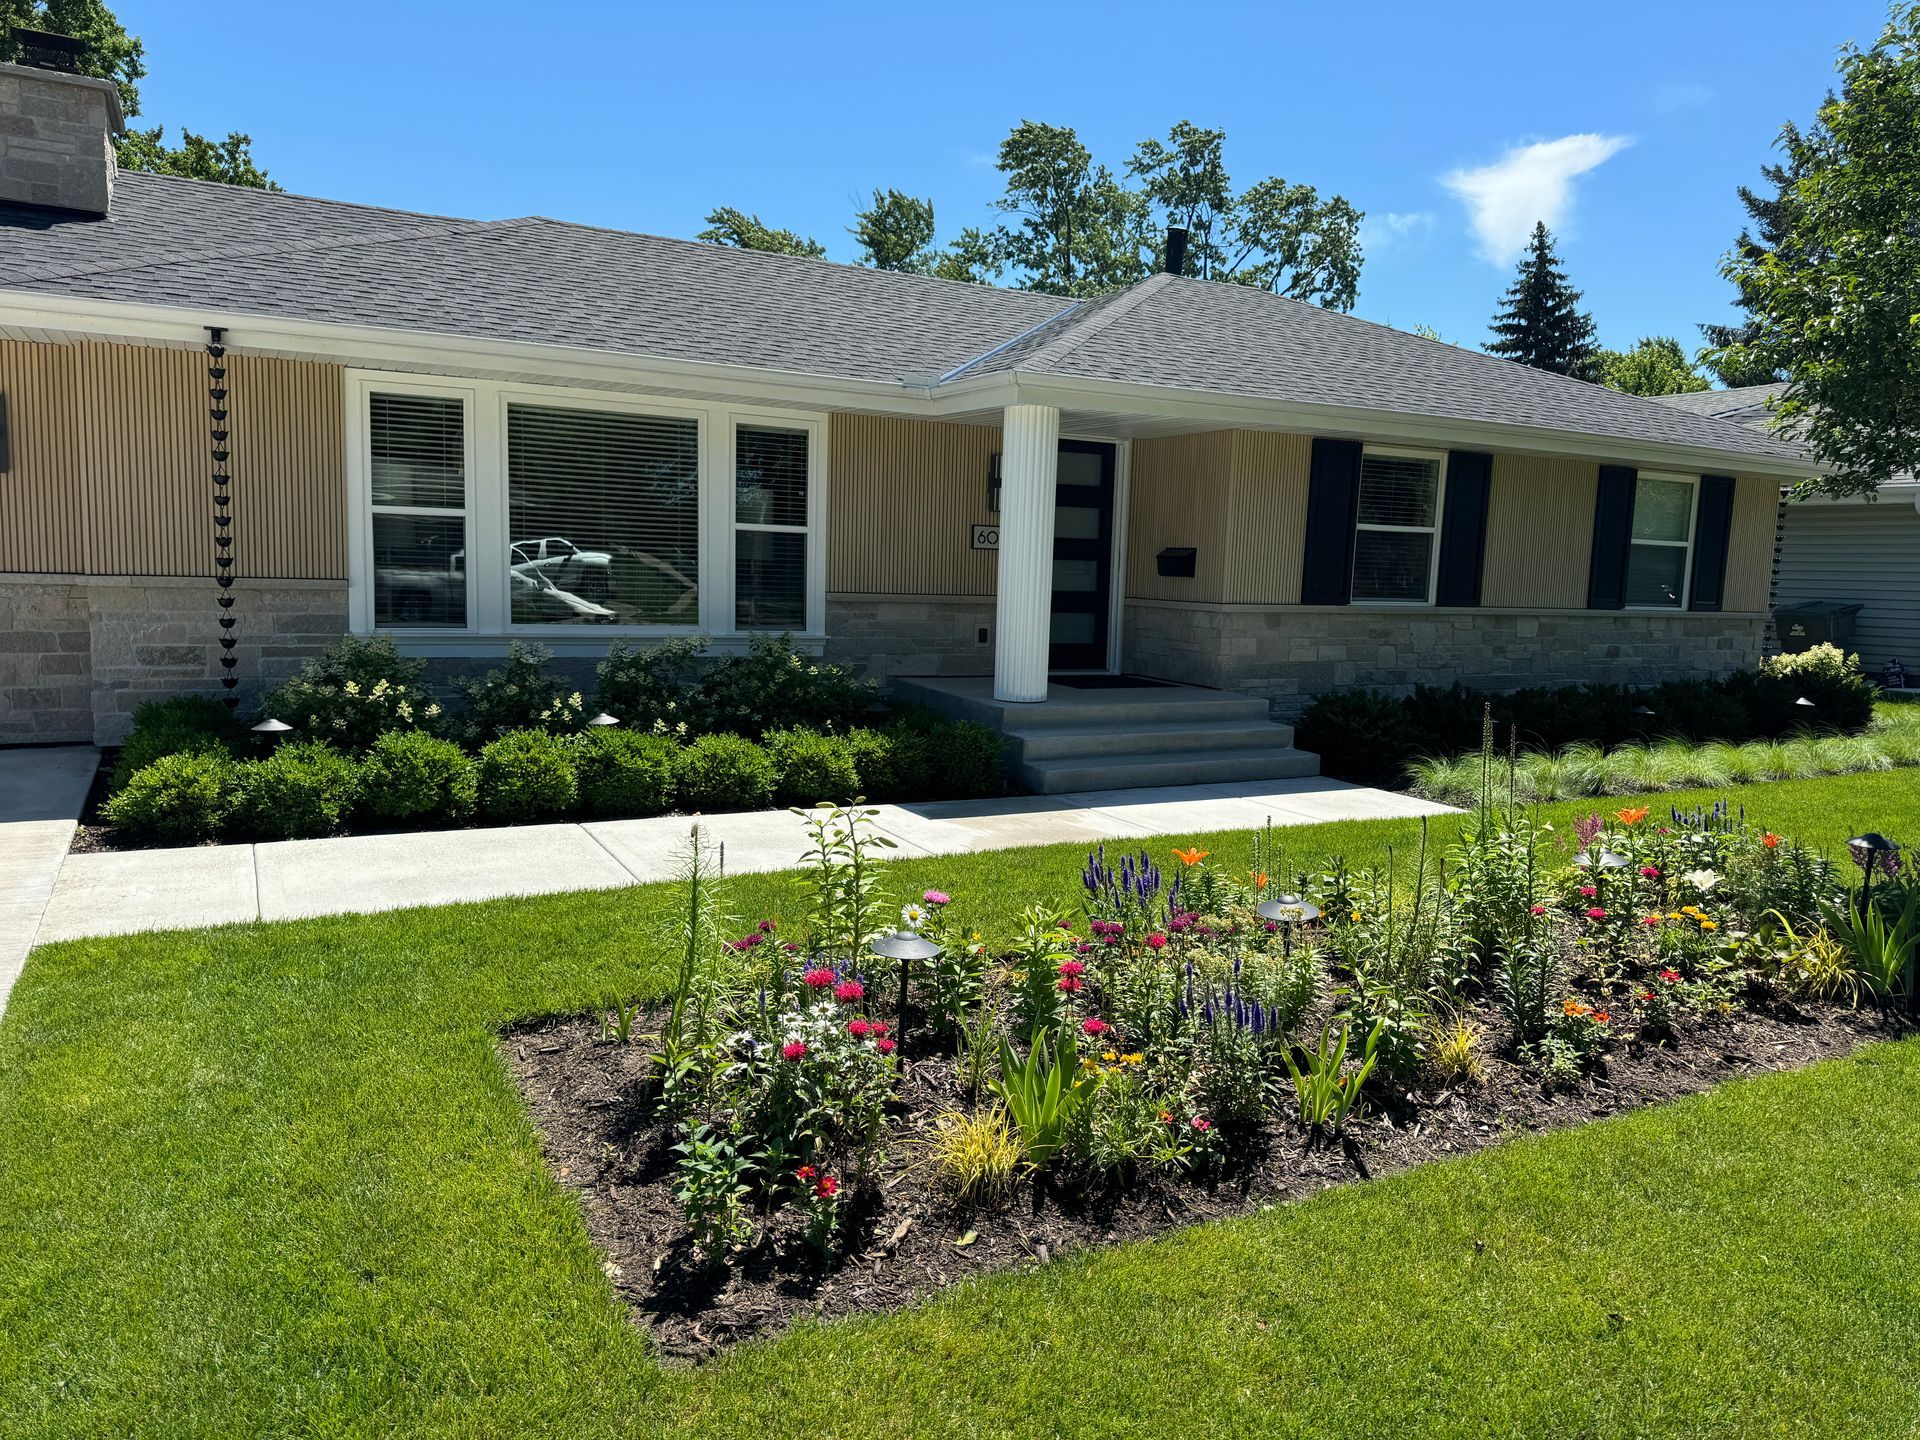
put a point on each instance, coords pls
(1596, 913)
(827, 1188)
(793, 1050)
(1070, 984)
(819, 978)
(1072, 967)
(859, 1029)
(1156, 941)
(848, 991)
(937, 897)
(1672, 977)
(880, 1027)
(1588, 891)
(1539, 910)
(1202, 1124)
(885, 1046)
(1652, 872)
(765, 927)
(1094, 1025)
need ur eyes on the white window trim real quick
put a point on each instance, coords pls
(489, 615)
(1692, 482)
(1397, 452)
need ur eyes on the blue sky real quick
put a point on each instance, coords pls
(1625, 125)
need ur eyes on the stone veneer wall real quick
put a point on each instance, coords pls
(77, 654)
(888, 635)
(1289, 654)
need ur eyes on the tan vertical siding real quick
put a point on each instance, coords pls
(1180, 493)
(111, 472)
(902, 498)
(1756, 510)
(1269, 517)
(1539, 533)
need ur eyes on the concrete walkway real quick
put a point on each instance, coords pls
(42, 791)
(118, 893)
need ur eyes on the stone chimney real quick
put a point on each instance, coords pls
(56, 140)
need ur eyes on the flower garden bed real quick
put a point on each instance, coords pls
(908, 1237)
(783, 1137)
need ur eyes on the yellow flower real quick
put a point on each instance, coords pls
(1355, 917)
(1709, 924)
(1109, 1055)
(1133, 1059)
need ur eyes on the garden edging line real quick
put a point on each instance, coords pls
(123, 892)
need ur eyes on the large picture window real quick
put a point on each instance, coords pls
(603, 517)
(480, 509)
(770, 505)
(418, 469)
(1661, 547)
(1398, 526)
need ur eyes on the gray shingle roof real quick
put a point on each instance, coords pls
(222, 247)
(1233, 340)
(1744, 405)
(195, 245)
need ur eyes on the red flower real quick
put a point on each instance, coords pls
(1770, 840)
(819, 978)
(1646, 995)
(859, 1029)
(1596, 913)
(1588, 891)
(1600, 1017)
(1166, 1117)
(848, 991)
(1072, 967)
(879, 1027)
(793, 1050)
(1070, 984)
(827, 1188)
(1157, 941)
(1672, 977)
(1539, 910)
(885, 1047)
(1652, 872)
(1651, 922)
(1095, 1026)
(805, 1172)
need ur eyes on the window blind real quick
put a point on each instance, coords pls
(770, 536)
(603, 510)
(418, 452)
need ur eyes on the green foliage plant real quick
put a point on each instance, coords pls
(177, 799)
(409, 773)
(305, 788)
(526, 775)
(1043, 1092)
(1326, 1091)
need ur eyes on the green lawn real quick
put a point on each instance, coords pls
(271, 1180)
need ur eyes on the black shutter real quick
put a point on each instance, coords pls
(1612, 532)
(1463, 528)
(1712, 526)
(1333, 505)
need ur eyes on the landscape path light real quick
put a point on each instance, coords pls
(273, 729)
(906, 947)
(1287, 911)
(604, 719)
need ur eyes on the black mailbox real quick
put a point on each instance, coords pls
(1176, 561)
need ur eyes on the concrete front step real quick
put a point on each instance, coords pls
(1068, 708)
(1060, 742)
(1137, 769)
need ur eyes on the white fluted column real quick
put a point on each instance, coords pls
(1023, 598)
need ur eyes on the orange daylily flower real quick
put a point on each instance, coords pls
(1631, 817)
(1259, 880)
(1190, 857)
(1770, 840)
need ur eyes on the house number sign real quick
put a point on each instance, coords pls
(986, 537)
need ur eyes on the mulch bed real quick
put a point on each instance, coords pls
(590, 1102)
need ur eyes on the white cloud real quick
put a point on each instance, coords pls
(1528, 183)
(1384, 228)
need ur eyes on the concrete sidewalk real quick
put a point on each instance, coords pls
(42, 791)
(118, 893)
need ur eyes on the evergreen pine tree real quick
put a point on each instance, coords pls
(1770, 224)
(1540, 322)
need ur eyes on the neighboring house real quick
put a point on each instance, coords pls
(454, 430)
(1856, 551)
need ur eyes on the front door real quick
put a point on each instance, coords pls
(1082, 556)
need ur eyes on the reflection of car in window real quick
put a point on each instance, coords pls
(419, 595)
(585, 572)
(553, 579)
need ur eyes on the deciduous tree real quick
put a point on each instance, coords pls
(728, 226)
(1655, 366)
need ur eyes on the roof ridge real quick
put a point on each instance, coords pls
(285, 247)
(1103, 314)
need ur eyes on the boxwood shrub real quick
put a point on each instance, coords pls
(409, 772)
(305, 788)
(177, 799)
(725, 772)
(893, 762)
(813, 766)
(626, 772)
(185, 723)
(527, 775)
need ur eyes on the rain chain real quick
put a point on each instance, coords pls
(222, 499)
